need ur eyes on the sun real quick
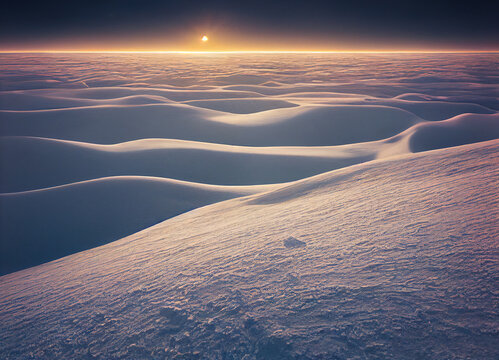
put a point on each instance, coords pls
(204, 38)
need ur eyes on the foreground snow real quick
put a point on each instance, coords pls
(389, 259)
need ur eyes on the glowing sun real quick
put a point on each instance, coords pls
(204, 38)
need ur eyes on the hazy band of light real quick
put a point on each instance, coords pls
(247, 52)
(227, 40)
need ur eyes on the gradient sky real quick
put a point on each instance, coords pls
(249, 25)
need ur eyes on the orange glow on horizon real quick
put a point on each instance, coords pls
(226, 41)
(131, 51)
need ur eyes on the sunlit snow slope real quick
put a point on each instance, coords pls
(390, 259)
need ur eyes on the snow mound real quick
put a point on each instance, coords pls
(396, 250)
(459, 130)
(30, 163)
(435, 110)
(414, 97)
(297, 126)
(241, 106)
(292, 243)
(42, 225)
(174, 94)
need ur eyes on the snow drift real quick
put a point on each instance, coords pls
(306, 125)
(30, 163)
(45, 224)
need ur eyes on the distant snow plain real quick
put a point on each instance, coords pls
(363, 222)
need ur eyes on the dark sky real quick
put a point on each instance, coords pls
(360, 23)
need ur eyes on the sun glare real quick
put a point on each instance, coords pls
(204, 38)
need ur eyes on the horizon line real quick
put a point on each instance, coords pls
(246, 51)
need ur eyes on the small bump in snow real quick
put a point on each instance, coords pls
(292, 243)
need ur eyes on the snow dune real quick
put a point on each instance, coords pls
(49, 223)
(459, 130)
(241, 106)
(296, 126)
(390, 251)
(48, 99)
(31, 163)
(434, 110)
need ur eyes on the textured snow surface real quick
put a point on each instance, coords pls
(362, 220)
(400, 261)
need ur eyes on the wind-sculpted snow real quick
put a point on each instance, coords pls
(391, 259)
(31, 163)
(365, 228)
(50, 223)
(229, 119)
(462, 129)
(296, 126)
